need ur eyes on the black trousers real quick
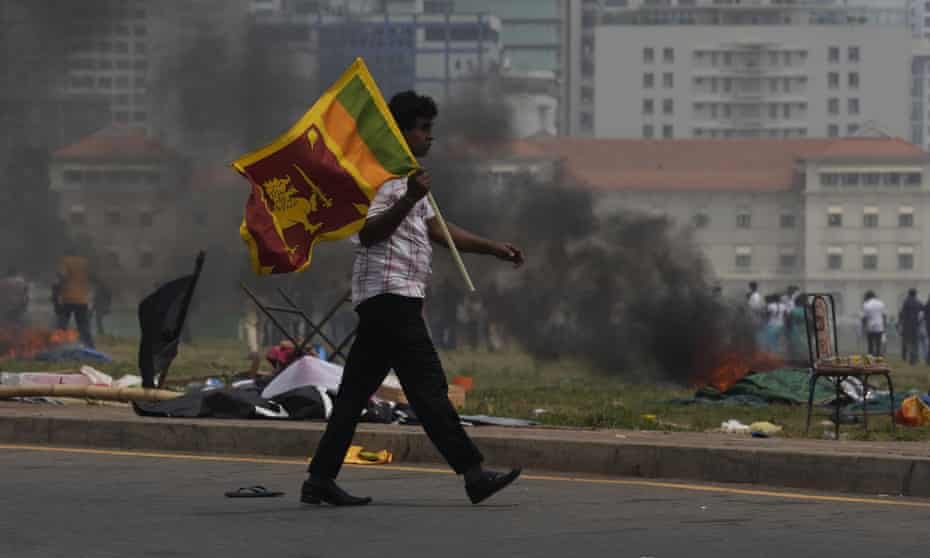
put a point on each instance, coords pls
(81, 319)
(909, 347)
(393, 334)
(875, 343)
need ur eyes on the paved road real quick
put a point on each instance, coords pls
(80, 503)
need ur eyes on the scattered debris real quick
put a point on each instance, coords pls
(734, 426)
(764, 428)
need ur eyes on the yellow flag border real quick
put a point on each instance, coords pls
(314, 116)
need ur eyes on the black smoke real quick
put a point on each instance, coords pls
(628, 292)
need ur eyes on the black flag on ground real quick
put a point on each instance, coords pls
(161, 319)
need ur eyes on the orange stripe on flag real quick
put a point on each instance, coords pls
(341, 130)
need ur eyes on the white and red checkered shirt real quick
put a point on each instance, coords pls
(402, 263)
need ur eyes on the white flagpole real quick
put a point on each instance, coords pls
(450, 243)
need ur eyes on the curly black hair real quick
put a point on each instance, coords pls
(407, 106)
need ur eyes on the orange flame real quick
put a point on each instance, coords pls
(17, 342)
(722, 370)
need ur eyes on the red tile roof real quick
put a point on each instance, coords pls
(113, 144)
(217, 177)
(702, 164)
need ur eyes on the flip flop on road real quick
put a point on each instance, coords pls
(253, 492)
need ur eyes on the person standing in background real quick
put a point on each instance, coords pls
(103, 301)
(908, 320)
(874, 322)
(74, 295)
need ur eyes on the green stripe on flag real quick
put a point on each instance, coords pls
(373, 128)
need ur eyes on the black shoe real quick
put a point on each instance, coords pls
(316, 491)
(488, 483)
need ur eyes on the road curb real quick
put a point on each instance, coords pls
(772, 466)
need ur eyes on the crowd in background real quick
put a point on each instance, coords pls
(780, 327)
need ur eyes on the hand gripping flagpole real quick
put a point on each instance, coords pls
(455, 251)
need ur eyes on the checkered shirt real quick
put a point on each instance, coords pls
(402, 263)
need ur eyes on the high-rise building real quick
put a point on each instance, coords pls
(703, 69)
(531, 31)
(404, 47)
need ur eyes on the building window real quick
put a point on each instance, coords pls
(73, 177)
(835, 217)
(870, 218)
(912, 179)
(146, 259)
(586, 121)
(668, 132)
(668, 80)
(649, 55)
(853, 80)
(833, 106)
(833, 131)
(891, 179)
(78, 215)
(648, 131)
(833, 80)
(112, 217)
(668, 106)
(787, 220)
(787, 259)
(834, 258)
(773, 111)
(700, 220)
(146, 218)
(743, 257)
(852, 106)
(852, 54)
(905, 257)
(668, 55)
(852, 129)
(850, 179)
(869, 258)
(873, 179)
(648, 81)
(833, 55)
(743, 220)
(111, 259)
(829, 179)
(906, 217)
(647, 106)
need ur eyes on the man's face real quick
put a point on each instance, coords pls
(420, 137)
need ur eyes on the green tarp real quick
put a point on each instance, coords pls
(784, 385)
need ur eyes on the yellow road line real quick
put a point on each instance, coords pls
(551, 478)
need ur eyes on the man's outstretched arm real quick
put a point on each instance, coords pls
(472, 243)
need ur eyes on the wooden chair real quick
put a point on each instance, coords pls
(823, 351)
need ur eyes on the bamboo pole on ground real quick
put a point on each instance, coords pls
(104, 393)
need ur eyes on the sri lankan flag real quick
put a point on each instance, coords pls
(317, 180)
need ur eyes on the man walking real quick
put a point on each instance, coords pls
(392, 265)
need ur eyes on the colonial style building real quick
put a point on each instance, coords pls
(125, 199)
(837, 215)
